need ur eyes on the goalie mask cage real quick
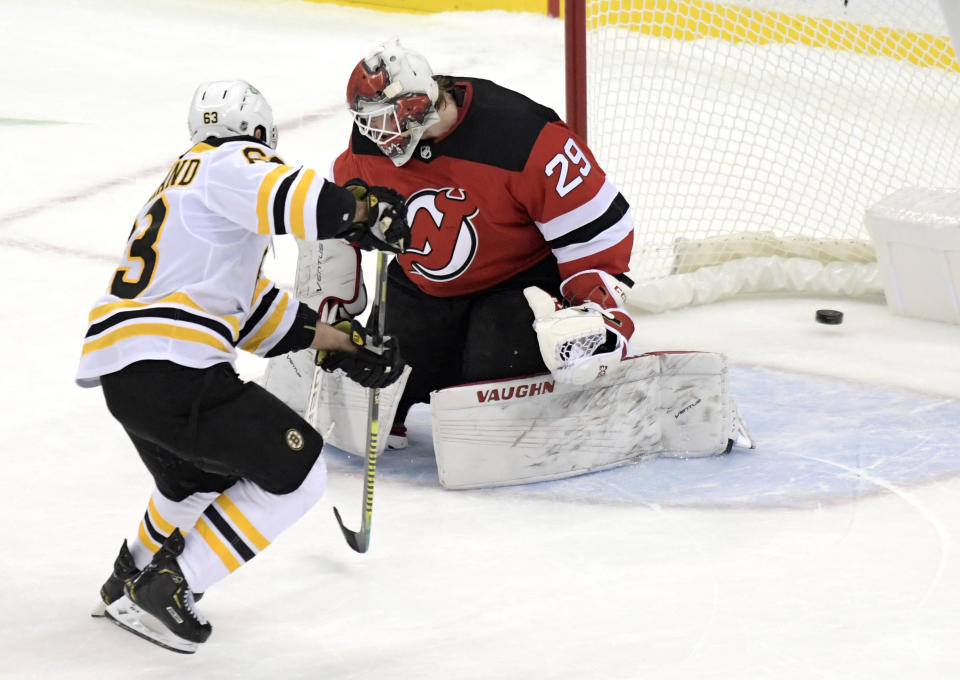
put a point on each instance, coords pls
(751, 136)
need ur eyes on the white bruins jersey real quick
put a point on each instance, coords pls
(189, 289)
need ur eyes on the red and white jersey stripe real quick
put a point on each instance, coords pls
(505, 187)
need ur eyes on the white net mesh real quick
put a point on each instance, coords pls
(766, 128)
(573, 351)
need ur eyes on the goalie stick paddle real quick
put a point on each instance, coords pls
(360, 540)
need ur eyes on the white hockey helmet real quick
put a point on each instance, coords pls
(227, 108)
(392, 96)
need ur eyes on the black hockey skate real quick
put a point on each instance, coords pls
(159, 605)
(124, 571)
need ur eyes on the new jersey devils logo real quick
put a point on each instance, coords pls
(443, 241)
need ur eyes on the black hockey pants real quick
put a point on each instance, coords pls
(203, 429)
(469, 338)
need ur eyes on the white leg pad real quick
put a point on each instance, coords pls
(338, 409)
(697, 413)
(535, 429)
(289, 378)
(329, 280)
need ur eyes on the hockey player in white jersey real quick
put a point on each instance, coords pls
(233, 465)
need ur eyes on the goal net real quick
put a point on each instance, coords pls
(750, 136)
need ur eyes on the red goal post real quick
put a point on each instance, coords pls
(750, 136)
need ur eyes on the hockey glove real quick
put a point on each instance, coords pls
(609, 294)
(386, 227)
(578, 344)
(368, 366)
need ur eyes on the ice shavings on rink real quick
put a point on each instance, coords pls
(819, 441)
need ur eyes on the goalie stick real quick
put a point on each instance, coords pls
(360, 540)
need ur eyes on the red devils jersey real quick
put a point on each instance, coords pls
(507, 185)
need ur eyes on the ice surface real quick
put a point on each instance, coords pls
(821, 441)
(829, 552)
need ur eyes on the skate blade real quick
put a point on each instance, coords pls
(131, 618)
(100, 610)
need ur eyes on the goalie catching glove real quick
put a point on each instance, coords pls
(386, 225)
(369, 366)
(578, 343)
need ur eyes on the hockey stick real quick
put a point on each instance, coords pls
(360, 540)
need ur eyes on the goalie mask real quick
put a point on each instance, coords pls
(227, 108)
(391, 95)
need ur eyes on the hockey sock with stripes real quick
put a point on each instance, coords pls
(241, 523)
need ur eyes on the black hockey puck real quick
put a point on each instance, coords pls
(829, 316)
